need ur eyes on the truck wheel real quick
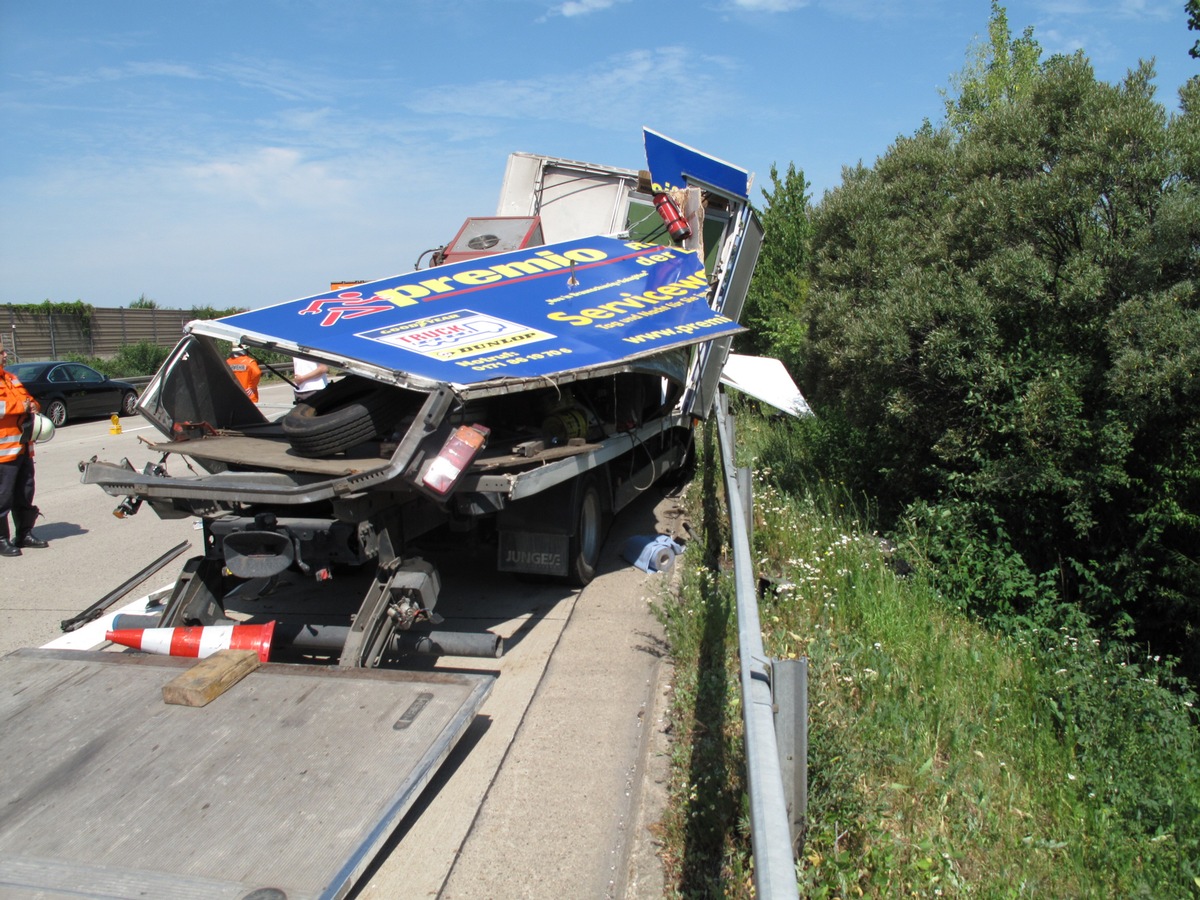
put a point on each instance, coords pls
(591, 522)
(343, 415)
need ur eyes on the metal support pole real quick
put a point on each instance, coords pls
(789, 687)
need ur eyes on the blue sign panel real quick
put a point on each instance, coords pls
(674, 165)
(527, 313)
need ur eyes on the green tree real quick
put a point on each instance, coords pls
(1001, 71)
(775, 302)
(212, 312)
(1006, 318)
(1193, 11)
(143, 302)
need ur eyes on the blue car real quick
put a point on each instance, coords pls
(71, 390)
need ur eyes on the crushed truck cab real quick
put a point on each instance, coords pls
(545, 371)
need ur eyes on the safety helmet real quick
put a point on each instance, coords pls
(41, 429)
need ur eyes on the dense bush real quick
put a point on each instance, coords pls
(142, 358)
(130, 361)
(1004, 316)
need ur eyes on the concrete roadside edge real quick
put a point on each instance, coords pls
(645, 875)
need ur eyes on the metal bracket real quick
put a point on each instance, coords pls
(789, 694)
(412, 584)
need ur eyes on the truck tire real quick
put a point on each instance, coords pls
(345, 414)
(591, 524)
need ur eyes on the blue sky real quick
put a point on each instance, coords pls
(249, 152)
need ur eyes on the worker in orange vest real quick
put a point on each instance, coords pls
(245, 369)
(16, 464)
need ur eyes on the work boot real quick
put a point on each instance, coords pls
(6, 548)
(25, 537)
(28, 539)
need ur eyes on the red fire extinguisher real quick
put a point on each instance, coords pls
(676, 224)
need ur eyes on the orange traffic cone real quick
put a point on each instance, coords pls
(198, 641)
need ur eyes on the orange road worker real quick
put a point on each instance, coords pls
(245, 370)
(16, 464)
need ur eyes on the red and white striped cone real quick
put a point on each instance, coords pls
(197, 641)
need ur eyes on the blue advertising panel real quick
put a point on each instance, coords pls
(527, 313)
(673, 165)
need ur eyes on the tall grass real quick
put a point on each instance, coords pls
(946, 758)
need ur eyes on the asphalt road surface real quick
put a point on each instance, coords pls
(553, 790)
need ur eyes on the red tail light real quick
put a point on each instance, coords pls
(454, 457)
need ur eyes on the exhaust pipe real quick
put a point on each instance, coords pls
(331, 638)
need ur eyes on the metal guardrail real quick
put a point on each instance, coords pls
(774, 704)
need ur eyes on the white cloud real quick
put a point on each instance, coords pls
(1053, 41)
(667, 84)
(583, 7)
(271, 178)
(1101, 10)
(289, 82)
(771, 6)
(248, 226)
(1065, 8)
(1148, 9)
(162, 69)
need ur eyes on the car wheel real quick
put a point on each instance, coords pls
(129, 403)
(345, 414)
(56, 412)
(591, 522)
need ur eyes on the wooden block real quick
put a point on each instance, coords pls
(210, 678)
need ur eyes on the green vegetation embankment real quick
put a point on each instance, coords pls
(998, 327)
(948, 756)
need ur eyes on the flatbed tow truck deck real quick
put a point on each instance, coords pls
(283, 787)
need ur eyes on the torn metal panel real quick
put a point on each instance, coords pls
(767, 380)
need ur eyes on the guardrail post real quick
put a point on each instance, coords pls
(789, 689)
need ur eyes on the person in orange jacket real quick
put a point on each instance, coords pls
(246, 370)
(16, 464)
